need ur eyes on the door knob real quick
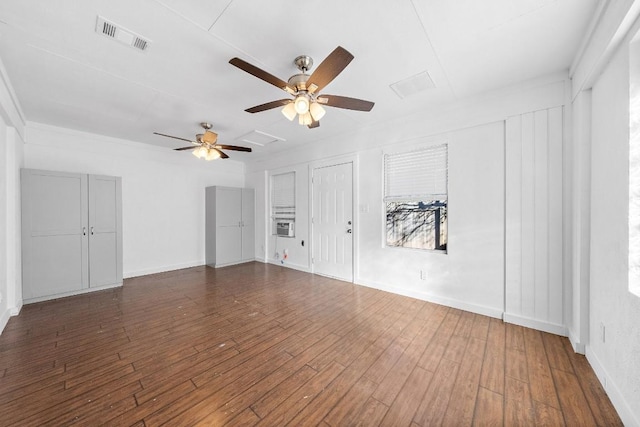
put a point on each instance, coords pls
(348, 231)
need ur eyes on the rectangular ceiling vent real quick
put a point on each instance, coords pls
(259, 138)
(121, 34)
(412, 85)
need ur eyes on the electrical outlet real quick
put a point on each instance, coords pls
(423, 275)
(602, 332)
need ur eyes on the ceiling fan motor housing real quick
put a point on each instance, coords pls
(299, 82)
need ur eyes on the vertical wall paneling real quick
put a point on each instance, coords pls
(541, 214)
(528, 233)
(556, 293)
(533, 223)
(513, 213)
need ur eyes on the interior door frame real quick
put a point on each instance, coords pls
(335, 161)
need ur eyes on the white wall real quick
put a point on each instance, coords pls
(162, 191)
(271, 248)
(11, 131)
(471, 275)
(534, 228)
(4, 287)
(616, 358)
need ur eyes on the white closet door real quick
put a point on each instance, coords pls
(228, 221)
(248, 228)
(54, 228)
(105, 244)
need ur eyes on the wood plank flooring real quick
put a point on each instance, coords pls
(264, 345)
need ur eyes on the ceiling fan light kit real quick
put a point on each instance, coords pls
(206, 144)
(305, 88)
(305, 103)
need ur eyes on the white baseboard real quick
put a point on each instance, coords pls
(578, 347)
(627, 416)
(289, 265)
(16, 310)
(161, 269)
(4, 318)
(449, 302)
(540, 325)
(72, 293)
(8, 313)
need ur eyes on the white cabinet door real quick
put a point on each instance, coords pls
(248, 227)
(105, 240)
(71, 233)
(54, 233)
(228, 225)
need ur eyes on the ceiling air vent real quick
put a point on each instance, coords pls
(412, 85)
(121, 34)
(260, 138)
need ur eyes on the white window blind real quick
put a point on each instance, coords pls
(416, 175)
(283, 196)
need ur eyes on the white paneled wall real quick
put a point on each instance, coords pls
(533, 220)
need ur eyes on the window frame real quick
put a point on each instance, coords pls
(426, 197)
(274, 214)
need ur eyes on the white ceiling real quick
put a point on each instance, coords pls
(67, 75)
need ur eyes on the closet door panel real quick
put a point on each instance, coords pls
(54, 233)
(228, 245)
(105, 241)
(54, 265)
(248, 228)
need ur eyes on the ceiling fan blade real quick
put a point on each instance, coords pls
(268, 106)
(233, 147)
(329, 69)
(314, 124)
(185, 148)
(261, 74)
(174, 137)
(345, 102)
(222, 155)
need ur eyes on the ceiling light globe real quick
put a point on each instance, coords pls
(316, 110)
(289, 111)
(212, 154)
(305, 119)
(301, 104)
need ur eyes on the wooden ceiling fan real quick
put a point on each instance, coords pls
(206, 144)
(307, 102)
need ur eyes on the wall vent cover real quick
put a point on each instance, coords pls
(121, 34)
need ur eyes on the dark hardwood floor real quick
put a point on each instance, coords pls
(258, 344)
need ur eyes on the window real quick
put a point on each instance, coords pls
(283, 204)
(416, 198)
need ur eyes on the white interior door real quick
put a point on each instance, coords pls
(332, 221)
